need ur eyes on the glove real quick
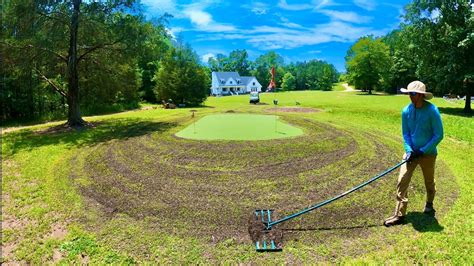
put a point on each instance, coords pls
(416, 154)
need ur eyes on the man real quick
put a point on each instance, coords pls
(422, 132)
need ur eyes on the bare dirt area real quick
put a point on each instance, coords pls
(293, 110)
(209, 189)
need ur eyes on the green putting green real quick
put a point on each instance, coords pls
(239, 127)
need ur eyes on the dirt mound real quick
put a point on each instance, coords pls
(294, 110)
(258, 232)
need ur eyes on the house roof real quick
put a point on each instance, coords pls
(227, 75)
(244, 80)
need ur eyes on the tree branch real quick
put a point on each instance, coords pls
(49, 50)
(96, 47)
(49, 16)
(50, 82)
(39, 48)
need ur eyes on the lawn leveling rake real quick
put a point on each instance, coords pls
(262, 229)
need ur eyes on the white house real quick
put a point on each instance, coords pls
(230, 83)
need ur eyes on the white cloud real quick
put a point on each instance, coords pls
(287, 23)
(198, 17)
(259, 11)
(336, 31)
(258, 8)
(221, 36)
(322, 3)
(156, 8)
(435, 14)
(365, 4)
(205, 58)
(346, 16)
(286, 34)
(171, 33)
(294, 7)
(291, 25)
(203, 20)
(268, 38)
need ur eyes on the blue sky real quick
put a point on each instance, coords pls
(297, 30)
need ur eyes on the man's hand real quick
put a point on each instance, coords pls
(408, 156)
(417, 154)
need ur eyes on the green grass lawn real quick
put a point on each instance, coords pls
(239, 127)
(95, 196)
(338, 87)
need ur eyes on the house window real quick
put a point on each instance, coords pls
(222, 81)
(230, 82)
(253, 83)
(224, 89)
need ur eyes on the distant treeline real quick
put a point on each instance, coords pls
(309, 75)
(435, 44)
(116, 54)
(71, 58)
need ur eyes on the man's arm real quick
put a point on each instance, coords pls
(407, 142)
(437, 125)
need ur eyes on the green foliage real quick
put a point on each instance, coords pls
(289, 82)
(313, 75)
(263, 66)
(368, 63)
(342, 77)
(402, 52)
(181, 78)
(117, 54)
(152, 48)
(237, 61)
(441, 34)
(320, 75)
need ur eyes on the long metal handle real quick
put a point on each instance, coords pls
(269, 225)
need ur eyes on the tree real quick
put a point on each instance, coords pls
(181, 78)
(402, 52)
(289, 82)
(47, 25)
(368, 63)
(319, 75)
(263, 65)
(238, 61)
(153, 45)
(441, 32)
(219, 63)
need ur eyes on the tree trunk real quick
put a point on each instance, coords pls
(467, 106)
(74, 113)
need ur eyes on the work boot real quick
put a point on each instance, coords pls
(429, 209)
(394, 220)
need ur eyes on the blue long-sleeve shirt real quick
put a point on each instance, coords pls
(422, 128)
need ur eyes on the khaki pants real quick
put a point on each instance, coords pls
(427, 163)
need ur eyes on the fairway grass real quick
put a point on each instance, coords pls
(239, 127)
(128, 191)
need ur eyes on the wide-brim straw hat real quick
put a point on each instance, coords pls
(418, 87)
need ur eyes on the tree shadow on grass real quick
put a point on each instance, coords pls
(422, 222)
(458, 111)
(98, 132)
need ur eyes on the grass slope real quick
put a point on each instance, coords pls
(67, 197)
